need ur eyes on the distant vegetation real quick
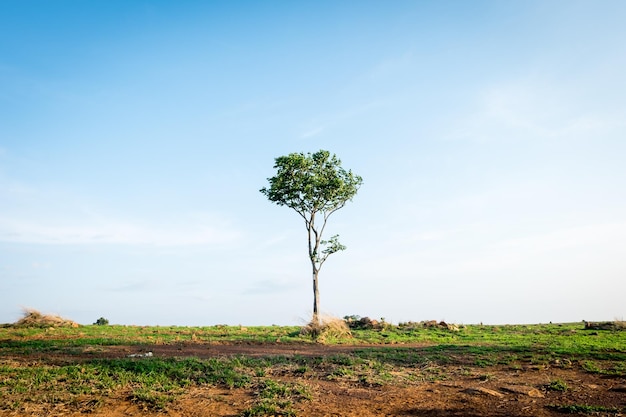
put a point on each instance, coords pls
(101, 322)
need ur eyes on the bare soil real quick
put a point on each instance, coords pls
(484, 391)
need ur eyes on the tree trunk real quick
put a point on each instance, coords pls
(316, 299)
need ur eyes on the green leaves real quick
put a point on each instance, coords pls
(311, 183)
(330, 246)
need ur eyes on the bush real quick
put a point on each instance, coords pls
(101, 322)
(364, 323)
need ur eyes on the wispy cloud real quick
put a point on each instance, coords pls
(533, 109)
(59, 217)
(328, 121)
(139, 286)
(571, 249)
(270, 286)
(112, 231)
(312, 132)
(392, 67)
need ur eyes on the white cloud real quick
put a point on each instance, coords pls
(111, 231)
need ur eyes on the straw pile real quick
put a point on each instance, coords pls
(33, 318)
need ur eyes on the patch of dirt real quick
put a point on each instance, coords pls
(468, 392)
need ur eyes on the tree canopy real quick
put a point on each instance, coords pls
(311, 183)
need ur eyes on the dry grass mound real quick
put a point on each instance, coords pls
(605, 325)
(328, 327)
(33, 318)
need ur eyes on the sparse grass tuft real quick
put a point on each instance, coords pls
(557, 385)
(584, 409)
(276, 399)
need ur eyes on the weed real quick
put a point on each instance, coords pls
(591, 367)
(486, 377)
(483, 362)
(276, 399)
(301, 370)
(557, 385)
(269, 408)
(152, 399)
(584, 409)
(342, 371)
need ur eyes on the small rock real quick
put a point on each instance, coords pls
(141, 355)
(535, 393)
(484, 391)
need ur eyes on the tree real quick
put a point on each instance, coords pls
(315, 186)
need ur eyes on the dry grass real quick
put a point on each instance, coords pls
(605, 325)
(33, 318)
(328, 327)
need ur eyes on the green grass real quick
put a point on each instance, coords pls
(62, 337)
(557, 385)
(558, 339)
(155, 383)
(152, 382)
(586, 409)
(276, 398)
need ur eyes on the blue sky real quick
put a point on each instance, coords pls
(135, 136)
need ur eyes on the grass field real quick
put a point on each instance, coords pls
(41, 368)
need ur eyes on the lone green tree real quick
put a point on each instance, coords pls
(315, 186)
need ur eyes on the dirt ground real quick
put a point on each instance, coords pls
(485, 391)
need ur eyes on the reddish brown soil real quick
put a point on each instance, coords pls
(490, 391)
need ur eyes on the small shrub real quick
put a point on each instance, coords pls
(364, 323)
(558, 385)
(591, 367)
(101, 322)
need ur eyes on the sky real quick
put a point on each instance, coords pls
(135, 137)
